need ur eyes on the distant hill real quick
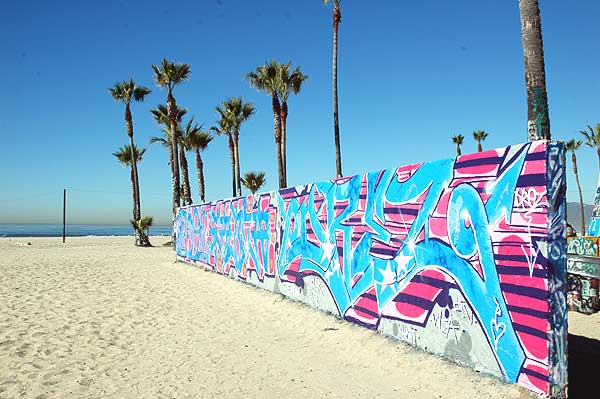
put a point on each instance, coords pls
(573, 214)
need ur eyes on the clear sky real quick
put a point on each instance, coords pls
(411, 75)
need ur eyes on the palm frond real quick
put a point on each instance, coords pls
(123, 155)
(170, 73)
(480, 135)
(592, 139)
(253, 181)
(458, 139)
(163, 141)
(140, 92)
(573, 145)
(289, 82)
(233, 112)
(161, 115)
(265, 77)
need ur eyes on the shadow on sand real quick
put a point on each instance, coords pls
(584, 362)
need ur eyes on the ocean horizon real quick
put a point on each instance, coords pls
(73, 230)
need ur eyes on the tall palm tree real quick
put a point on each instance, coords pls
(237, 112)
(592, 138)
(170, 74)
(223, 128)
(337, 19)
(479, 136)
(187, 191)
(197, 140)
(538, 120)
(125, 92)
(161, 116)
(253, 181)
(458, 140)
(266, 78)
(573, 145)
(127, 156)
(289, 83)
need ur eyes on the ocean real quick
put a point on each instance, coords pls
(74, 230)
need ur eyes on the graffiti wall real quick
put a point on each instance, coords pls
(462, 257)
(594, 227)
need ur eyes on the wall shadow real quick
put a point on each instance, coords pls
(584, 359)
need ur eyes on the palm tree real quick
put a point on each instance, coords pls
(253, 181)
(197, 140)
(223, 128)
(289, 83)
(124, 156)
(573, 145)
(592, 139)
(187, 191)
(266, 78)
(458, 140)
(143, 225)
(170, 74)
(125, 92)
(237, 112)
(337, 18)
(161, 117)
(538, 121)
(479, 136)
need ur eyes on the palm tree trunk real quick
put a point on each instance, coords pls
(538, 121)
(172, 111)
(137, 213)
(187, 192)
(337, 18)
(479, 147)
(200, 167)
(574, 159)
(236, 148)
(277, 132)
(284, 115)
(458, 153)
(232, 156)
(136, 232)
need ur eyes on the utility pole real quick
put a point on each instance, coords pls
(64, 214)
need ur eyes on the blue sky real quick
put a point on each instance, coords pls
(411, 75)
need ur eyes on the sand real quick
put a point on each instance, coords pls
(99, 318)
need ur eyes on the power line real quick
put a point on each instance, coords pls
(116, 192)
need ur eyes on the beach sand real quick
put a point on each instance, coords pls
(97, 317)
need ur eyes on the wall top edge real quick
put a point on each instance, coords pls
(547, 142)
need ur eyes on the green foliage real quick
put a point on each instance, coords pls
(222, 128)
(592, 136)
(277, 79)
(235, 112)
(170, 73)
(253, 181)
(126, 91)
(143, 224)
(289, 82)
(164, 141)
(123, 155)
(162, 117)
(458, 139)
(194, 138)
(573, 145)
(479, 135)
(265, 78)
